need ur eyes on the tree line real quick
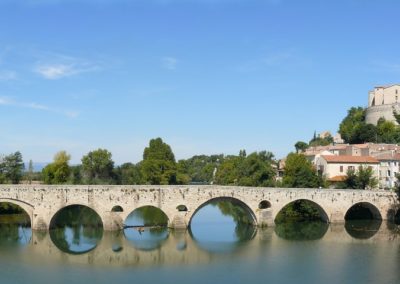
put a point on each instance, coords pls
(159, 166)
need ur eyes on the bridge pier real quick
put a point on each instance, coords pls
(265, 218)
(112, 221)
(336, 217)
(179, 203)
(179, 221)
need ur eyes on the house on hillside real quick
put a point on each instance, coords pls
(335, 167)
(389, 169)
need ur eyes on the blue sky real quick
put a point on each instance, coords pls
(206, 76)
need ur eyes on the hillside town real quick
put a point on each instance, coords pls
(334, 160)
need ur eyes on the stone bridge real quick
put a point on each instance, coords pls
(180, 203)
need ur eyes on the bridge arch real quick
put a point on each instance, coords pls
(363, 208)
(28, 208)
(264, 204)
(151, 206)
(117, 208)
(55, 214)
(224, 198)
(322, 212)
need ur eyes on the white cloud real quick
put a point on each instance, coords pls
(7, 75)
(5, 101)
(57, 66)
(169, 63)
(36, 106)
(54, 71)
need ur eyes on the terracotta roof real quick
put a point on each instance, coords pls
(351, 159)
(337, 178)
(388, 157)
(361, 146)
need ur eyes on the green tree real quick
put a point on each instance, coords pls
(2, 166)
(299, 172)
(158, 165)
(58, 171)
(97, 166)
(76, 174)
(318, 141)
(12, 168)
(300, 146)
(366, 133)
(387, 132)
(363, 178)
(128, 173)
(227, 173)
(253, 170)
(349, 127)
(200, 168)
(30, 171)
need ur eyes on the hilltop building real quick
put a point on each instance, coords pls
(381, 103)
(333, 161)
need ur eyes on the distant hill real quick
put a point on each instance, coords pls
(37, 167)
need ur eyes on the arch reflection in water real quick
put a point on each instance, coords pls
(222, 225)
(362, 229)
(301, 210)
(146, 228)
(363, 220)
(363, 211)
(76, 229)
(301, 231)
(15, 226)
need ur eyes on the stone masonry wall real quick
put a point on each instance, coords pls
(42, 202)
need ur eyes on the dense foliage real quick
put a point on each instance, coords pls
(363, 178)
(11, 168)
(97, 167)
(299, 172)
(159, 165)
(354, 128)
(319, 141)
(299, 210)
(58, 171)
(201, 168)
(255, 169)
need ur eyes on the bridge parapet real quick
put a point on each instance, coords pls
(180, 203)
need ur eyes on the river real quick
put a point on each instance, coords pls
(216, 249)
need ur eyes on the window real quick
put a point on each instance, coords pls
(351, 168)
(388, 173)
(341, 169)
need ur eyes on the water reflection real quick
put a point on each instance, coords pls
(147, 216)
(301, 231)
(146, 228)
(77, 239)
(15, 230)
(147, 238)
(76, 229)
(222, 226)
(362, 229)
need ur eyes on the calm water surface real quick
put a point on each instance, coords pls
(215, 250)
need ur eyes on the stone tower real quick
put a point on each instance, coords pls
(381, 102)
